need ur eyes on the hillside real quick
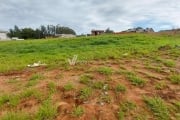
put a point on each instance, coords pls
(116, 77)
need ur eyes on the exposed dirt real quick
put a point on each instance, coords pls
(94, 108)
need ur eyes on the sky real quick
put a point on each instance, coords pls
(84, 15)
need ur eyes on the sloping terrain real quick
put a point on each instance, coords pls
(116, 77)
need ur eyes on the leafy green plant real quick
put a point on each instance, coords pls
(85, 93)
(158, 107)
(47, 111)
(78, 111)
(10, 99)
(52, 87)
(120, 88)
(68, 87)
(160, 85)
(175, 79)
(16, 116)
(86, 79)
(98, 85)
(105, 70)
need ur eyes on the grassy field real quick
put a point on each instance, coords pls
(118, 77)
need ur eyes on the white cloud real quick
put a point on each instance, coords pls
(84, 15)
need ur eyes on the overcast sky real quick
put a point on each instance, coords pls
(84, 15)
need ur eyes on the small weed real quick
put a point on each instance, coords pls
(175, 79)
(13, 80)
(120, 88)
(133, 78)
(158, 107)
(36, 77)
(47, 111)
(52, 87)
(78, 111)
(105, 98)
(86, 79)
(160, 85)
(121, 115)
(85, 93)
(33, 80)
(127, 106)
(169, 63)
(31, 93)
(105, 70)
(68, 87)
(98, 85)
(12, 100)
(16, 116)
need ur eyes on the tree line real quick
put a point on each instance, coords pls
(38, 33)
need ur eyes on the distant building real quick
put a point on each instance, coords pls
(3, 35)
(139, 30)
(65, 35)
(97, 32)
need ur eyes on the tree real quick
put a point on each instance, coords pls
(108, 30)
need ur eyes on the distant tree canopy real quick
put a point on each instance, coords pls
(108, 30)
(42, 32)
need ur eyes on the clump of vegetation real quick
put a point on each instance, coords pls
(68, 87)
(33, 80)
(133, 78)
(98, 85)
(47, 111)
(168, 63)
(52, 87)
(120, 88)
(105, 70)
(15, 116)
(86, 79)
(125, 107)
(158, 107)
(12, 100)
(85, 93)
(105, 99)
(78, 111)
(175, 79)
(31, 93)
(160, 85)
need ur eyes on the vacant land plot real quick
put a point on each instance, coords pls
(116, 77)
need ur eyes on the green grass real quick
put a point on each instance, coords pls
(16, 55)
(78, 111)
(86, 79)
(98, 85)
(31, 93)
(34, 79)
(47, 111)
(160, 85)
(133, 78)
(120, 88)
(158, 107)
(105, 70)
(85, 93)
(52, 87)
(175, 79)
(68, 87)
(16, 116)
(10, 99)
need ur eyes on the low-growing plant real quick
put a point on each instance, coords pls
(12, 100)
(120, 88)
(175, 79)
(127, 106)
(85, 93)
(52, 87)
(105, 98)
(78, 111)
(16, 116)
(98, 85)
(33, 80)
(121, 115)
(105, 70)
(158, 107)
(136, 80)
(160, 85)
(68, 87)
(86, 79)
(31, 93)
(47, 111)
(13, 80)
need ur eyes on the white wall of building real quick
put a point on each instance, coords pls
(3, 36)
